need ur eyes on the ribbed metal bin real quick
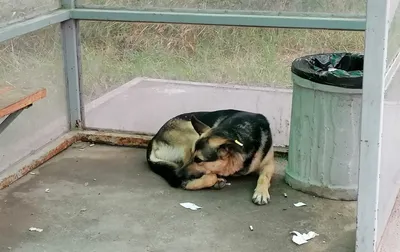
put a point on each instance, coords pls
(325, 129)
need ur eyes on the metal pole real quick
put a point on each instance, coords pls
(72, 67)
(371, 125)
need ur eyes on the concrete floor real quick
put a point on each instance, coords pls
(104, 198)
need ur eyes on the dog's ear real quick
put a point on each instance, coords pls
(230, 148)
(198, 126)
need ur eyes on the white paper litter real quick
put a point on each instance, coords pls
(36, 229)
(189, 205)
(300, 239)
(299, 204)
(285, 195)
(91, 145)
(47, 190)
(228, 184)
(32, 173)
(251, 228)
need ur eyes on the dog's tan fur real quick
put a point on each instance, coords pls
(265, 169)
(181, 137)
(206, 181)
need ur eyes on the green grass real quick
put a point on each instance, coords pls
(32, 58)
(322, 6)
(115, 52)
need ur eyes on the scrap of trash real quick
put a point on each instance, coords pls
(36, 229)
(47, 190)
(299, 204)
(301, 239)
(190, 206)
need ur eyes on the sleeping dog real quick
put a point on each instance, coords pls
(197, 150)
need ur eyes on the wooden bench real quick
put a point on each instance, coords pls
(14, 100)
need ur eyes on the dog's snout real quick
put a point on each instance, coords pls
(186, 173)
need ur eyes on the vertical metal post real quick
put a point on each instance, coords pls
(371, 124)
(72, 67)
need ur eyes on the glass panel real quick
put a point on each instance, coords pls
(13, 11)
(392, 93)
(390, 171)
(117, 55)
(34, 60)
(332, 6)
(394, 37)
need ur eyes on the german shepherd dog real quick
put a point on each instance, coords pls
(197, 150)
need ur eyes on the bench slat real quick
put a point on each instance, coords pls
(13, 99)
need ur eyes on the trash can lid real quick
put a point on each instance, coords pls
(335, 69)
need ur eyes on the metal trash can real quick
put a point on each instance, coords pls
(323, 157)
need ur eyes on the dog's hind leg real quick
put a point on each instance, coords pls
(206, 181)
(267, 167)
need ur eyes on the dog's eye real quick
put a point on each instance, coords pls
(197, 160)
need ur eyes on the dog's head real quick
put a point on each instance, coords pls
(211, 153)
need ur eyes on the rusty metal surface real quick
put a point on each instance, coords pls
(56, 147)
(93, 136)
(112, 138)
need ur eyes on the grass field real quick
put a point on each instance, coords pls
(115, 52)
(331, 6)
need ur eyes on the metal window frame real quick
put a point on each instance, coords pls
(373, 89)
(376, 42)
(34, 24)
(68, 17)
(72, 67)
(229, 18)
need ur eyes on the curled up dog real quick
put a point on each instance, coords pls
(198, 150)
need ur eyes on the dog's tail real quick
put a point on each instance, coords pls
(165, 170)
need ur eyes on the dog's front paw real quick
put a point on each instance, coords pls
(221, 183)
(261, 197)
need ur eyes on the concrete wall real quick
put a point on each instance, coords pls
(144, 105)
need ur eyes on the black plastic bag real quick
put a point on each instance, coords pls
(335, 69)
